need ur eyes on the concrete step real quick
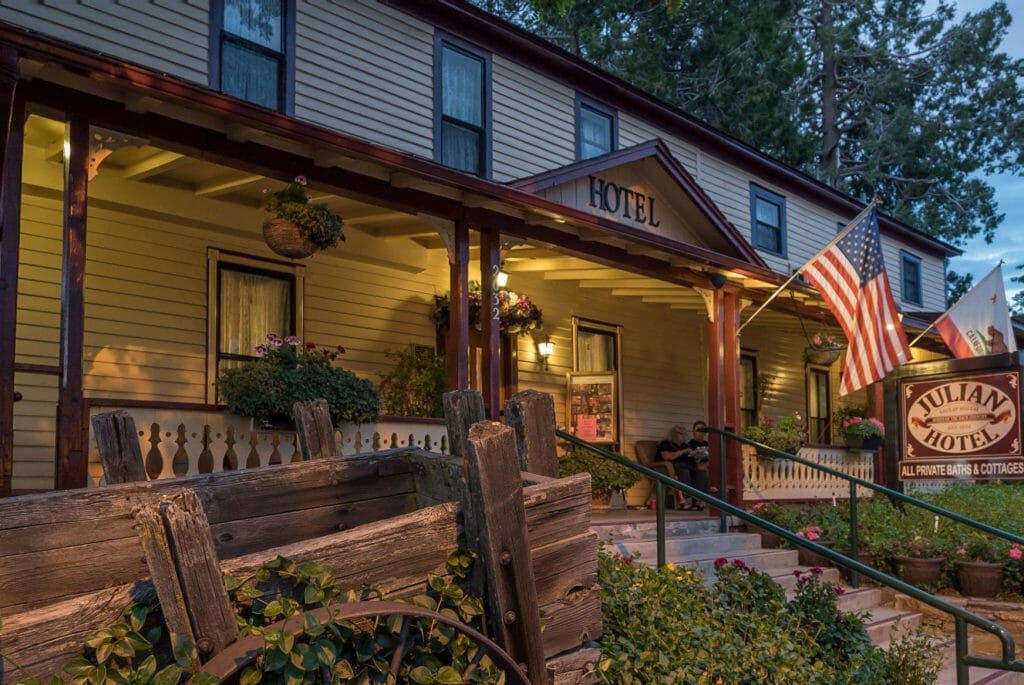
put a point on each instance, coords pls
(786, 576)
(885, 624)
(728, 545)
(646, 530)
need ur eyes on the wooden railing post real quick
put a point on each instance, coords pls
(496, 503)
(316, 432)
(462, 408)
(531, 414)
(118, 442)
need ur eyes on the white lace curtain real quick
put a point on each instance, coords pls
(252, 305)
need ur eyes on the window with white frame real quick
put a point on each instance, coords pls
(248, 299)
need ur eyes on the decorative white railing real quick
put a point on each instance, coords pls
(783, 479)
(177, 442)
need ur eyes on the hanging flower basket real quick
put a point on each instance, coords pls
(825, 356)
(284, 237)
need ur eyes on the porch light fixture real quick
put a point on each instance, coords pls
(501, 279)
(544, 350)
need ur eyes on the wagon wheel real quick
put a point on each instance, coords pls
(239, 654)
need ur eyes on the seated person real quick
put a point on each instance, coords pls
(686, 457)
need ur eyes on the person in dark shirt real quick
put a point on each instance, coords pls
(686, 457)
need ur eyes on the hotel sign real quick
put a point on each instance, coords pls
(966, 426)
(622, 202)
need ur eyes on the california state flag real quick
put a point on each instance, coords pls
(979, 323)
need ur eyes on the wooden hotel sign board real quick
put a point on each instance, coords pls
(958, 419)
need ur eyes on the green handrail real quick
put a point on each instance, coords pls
(961, 616)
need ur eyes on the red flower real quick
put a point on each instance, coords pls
(720, 562)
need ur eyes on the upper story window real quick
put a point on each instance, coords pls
(251, 49)
(597, 128)
(462, 77)
(767, 220)
(910, 278)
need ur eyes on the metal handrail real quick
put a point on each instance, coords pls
(961, 616)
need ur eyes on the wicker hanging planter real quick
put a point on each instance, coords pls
(284, 237)
(823, 356)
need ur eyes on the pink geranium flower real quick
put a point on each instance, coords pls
(1016, 552)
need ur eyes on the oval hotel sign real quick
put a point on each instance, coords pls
(963, 427)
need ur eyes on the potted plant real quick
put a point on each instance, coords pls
(516, 312)
(289, 371)
(414, 386)
(606, 476)
(980, 560)
(817, 535)
(772, 512)
(297, 226)
(864, 433)
(823, 349)
(784, 435)
(919, 561)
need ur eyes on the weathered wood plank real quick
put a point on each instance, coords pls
(557, 510)
(164, 574)
(574, 668)
(118, 443)
(531, 414)
(315, 430)
(462, 408)
(43, 641)
(393, 554)
(564, 568)
(243, 536)
(194, 557)
(496, 503)
(438, 479)
(572, 622)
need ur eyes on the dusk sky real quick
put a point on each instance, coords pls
(979, 258)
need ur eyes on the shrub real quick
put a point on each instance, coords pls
(605, 474)
(414, 386)
(783, 435)
(667, 626)
(288, 372)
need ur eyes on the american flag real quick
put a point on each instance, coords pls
(851, 277)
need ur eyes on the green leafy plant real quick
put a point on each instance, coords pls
(773, 512)
(605, 475)
(824, 341)
(516, 312)
(415, 384)
(315, 220)
(981, 547)
(290, 371)
(920, 547)
(784, 435)
(864, 427)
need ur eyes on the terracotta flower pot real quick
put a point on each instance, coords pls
(284, 237)
(769, 540)
(809, 558)
(919, 571)
(866, 558)
(980, 578)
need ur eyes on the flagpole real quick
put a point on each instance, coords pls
(930, 326)
(854, 222)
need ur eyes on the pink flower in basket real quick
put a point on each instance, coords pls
(1016, 552)
(812, 533)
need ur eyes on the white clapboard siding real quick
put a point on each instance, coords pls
(367, 70)
(633, 131)
(170, 36)
(526, 103)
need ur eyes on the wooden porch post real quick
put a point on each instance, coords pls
(716, 378)
(12, 129)
(876, 410)
(72, 429)
(490, 264)
(458, 313)
(731, 391)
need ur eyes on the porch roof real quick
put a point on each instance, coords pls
(181, 115)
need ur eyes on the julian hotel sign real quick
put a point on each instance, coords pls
(962, 425)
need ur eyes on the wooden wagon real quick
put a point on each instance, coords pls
(72, 561)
